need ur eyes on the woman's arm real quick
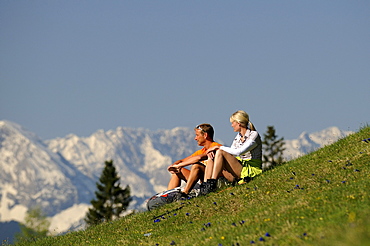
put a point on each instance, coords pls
(248, 145)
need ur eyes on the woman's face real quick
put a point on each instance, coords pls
(236, 126)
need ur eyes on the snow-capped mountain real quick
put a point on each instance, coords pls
(32, 175)
(307, 143)
(60, 175)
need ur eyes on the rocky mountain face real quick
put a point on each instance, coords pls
(60, 175)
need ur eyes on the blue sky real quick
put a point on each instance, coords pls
(79, 66)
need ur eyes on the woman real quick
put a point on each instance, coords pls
(243, 160)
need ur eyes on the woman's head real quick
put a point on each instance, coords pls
(242, 118)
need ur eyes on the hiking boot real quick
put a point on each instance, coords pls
(222, 182)
(207, 187)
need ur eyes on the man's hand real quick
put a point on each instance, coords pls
(174, 168)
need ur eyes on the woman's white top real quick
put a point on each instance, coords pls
(250, 148)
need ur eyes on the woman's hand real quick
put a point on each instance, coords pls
(211, 155)
(212, 151)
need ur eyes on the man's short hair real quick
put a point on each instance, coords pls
(206, 128)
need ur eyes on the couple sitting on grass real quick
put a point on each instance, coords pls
(238, 163)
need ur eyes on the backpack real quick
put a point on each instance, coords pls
(169, 196)
(163, 198)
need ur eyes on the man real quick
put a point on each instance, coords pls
(204, 136)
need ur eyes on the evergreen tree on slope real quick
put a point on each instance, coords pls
(111, 200)
(273, 148)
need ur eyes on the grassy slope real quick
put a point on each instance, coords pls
(319, 199)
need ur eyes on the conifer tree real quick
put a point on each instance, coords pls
(111, 200)
(273, 148)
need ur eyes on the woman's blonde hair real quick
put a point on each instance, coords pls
(242, 118)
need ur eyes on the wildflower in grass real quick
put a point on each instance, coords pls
(231, 193)
(267, 234)
(252, 242)
(173, 243)
(356, 170)
(222, 237)
(174, 214)
(313, 174)
(157, 220)
(187, 214)
(233, 224)
(242, 222)
(215, 203)
(327, 180)
(208, 224)
(349, 163)
(343, 182)
(330, 161)
(262, 239)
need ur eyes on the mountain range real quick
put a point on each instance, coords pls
(60, 175)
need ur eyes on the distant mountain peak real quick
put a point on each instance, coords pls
(308, 142)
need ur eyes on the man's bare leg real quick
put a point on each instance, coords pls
(196, 173)
(176, 178)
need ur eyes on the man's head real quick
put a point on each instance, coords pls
(203, 133)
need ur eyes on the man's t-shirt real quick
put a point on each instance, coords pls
(204, 150)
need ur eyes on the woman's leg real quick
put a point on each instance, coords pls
(224, 160)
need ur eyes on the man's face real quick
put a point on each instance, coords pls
(200, 137)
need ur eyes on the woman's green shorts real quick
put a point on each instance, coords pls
(251, 167)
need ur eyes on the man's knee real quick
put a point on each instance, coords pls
(197, 167)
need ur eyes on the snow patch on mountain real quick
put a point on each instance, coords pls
(307, 143)
(8, 209)
(63, 221)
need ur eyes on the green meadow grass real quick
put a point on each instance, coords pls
(321, 198)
